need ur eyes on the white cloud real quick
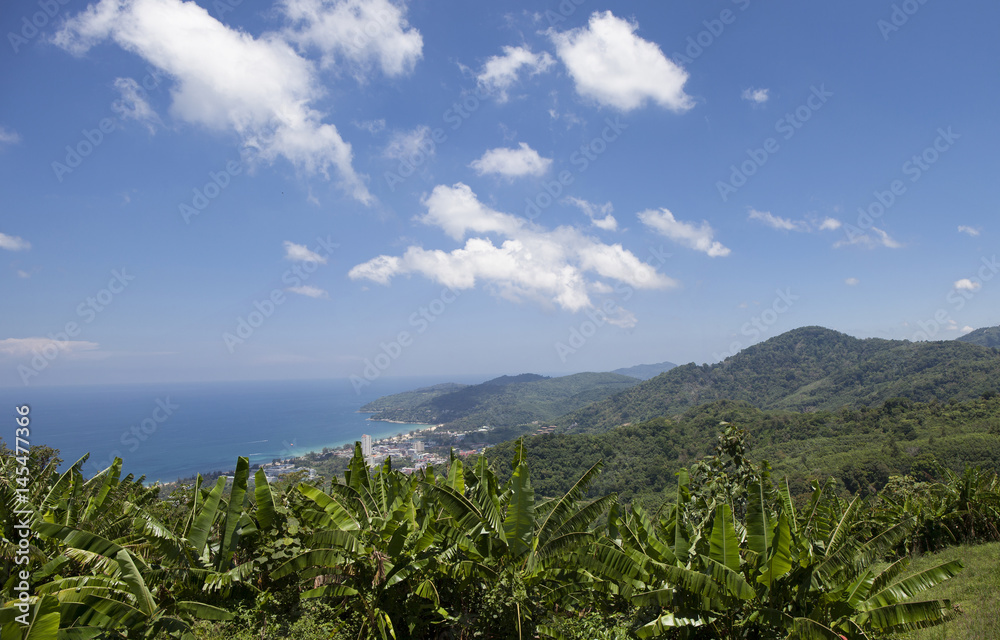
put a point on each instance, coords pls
(612, 65)
(133, 106)
(500, 72)
(967, 329)
(8, 137)
(407, 145)
(513, 163)
(851, 282)
(531, 263)
(600, 215)
(878, 238)
(363, 32)
(776, 222)
(685, 233)
(829, 224)
(21, 273)
(371, 126)
(301, 253)
(225, 79)
(756, 96)
(13, 243)
(310, 291)
(972, 231)
(21, 347)
(968, 285)
(457, 211)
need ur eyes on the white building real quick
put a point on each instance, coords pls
(366, 445)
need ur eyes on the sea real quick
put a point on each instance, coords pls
(170, 431)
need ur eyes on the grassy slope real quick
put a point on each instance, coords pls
(976, 591)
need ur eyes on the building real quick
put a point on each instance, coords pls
(418, 446)
(366, 445)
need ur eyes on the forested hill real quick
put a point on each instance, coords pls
(985, 337)
(501, 402)
(806, 369)
(862, 447)
(646, 371)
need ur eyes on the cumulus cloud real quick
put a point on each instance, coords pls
(613, 66)
(13, 243)
(877, 238)
(776, 222)
(756, 96)
(968, 285)
(133, 105)
(530, 263)
(366, 33)
(851, 282)
(226, 80)
(8, 137)
(699, 238)
(512, 163)
(829, 224)
(972, 231)
(21, 347)
(967, 329)
(301, 253)
(407, 145)
(600, 215)
(310, 291)
(500, 72)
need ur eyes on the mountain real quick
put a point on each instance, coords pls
(985, 337)
(410, 399)
(806, 369)
(861, 447)
(502, 402)
(645, 371)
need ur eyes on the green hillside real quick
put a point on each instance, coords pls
(504, 402)
(985, 337)
(806, 369)
(410, 399)
(645, 371)
(860, 447)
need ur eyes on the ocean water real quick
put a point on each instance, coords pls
(171, 431)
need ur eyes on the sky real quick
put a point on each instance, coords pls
(357, 189)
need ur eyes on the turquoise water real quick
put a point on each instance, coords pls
(170, 431)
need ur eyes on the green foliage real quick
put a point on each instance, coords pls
(507, 401)
(807, 369)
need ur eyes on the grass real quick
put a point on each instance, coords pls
(976, 592)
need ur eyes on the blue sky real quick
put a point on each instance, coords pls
(352, 189)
